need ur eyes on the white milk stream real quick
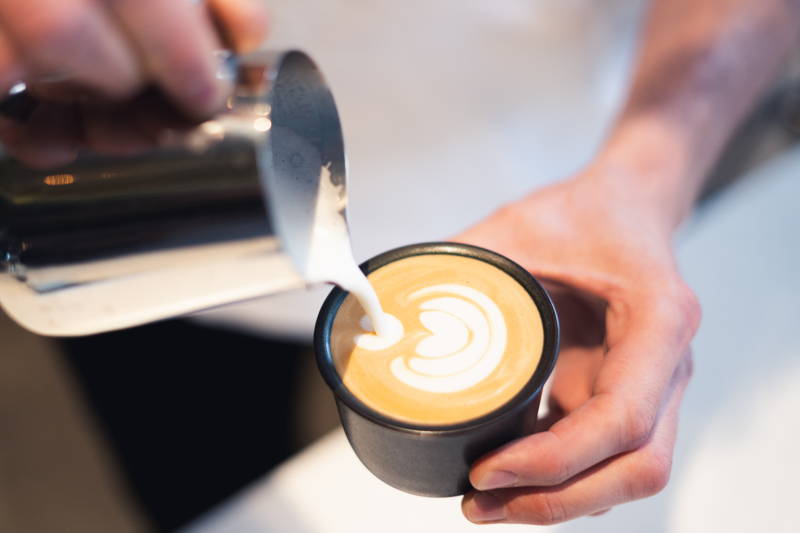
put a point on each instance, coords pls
(331, 256)
(311, 219)
(467, 331)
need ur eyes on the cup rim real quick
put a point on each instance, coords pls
(532, 387)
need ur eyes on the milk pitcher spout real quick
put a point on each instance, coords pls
(206, 215)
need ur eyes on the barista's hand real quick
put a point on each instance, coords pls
(627, 319)
(115, 47)
(65, 50)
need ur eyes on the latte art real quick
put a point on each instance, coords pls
(462, 337)
(466, 342)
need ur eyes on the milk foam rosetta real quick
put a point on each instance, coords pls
(462, 338)
(467, 340)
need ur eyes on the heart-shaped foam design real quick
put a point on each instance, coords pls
(467, 340)
(448, 334)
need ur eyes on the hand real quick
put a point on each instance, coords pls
(627, 319)
(116, 46)
(67, 49)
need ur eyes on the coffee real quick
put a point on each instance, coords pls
(462, 338)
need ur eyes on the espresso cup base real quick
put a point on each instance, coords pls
(432, 463)
(435, 460)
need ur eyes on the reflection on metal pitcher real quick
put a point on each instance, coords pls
(200, 215)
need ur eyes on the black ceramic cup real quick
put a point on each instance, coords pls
(435, 460)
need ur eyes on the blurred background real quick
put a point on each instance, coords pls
(181, 424)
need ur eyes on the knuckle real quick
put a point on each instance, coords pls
(688, 365)
(545, 509)
(679, 307)
(685, 368)
(555, 468)
(689, 306)
(636, 425)
(652, 475)
(558, 470)
(510, 213)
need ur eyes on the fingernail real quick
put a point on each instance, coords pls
(485, 507)
(497, 479)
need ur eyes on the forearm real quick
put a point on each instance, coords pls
(701, 66)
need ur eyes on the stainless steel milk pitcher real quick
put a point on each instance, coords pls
(210, 214)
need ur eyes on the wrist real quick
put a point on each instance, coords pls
(649, 162)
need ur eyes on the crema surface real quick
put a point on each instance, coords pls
(465, 338)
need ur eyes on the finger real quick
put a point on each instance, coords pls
(10, 67)
(244, 22)
(74, 39)
(176, 44)
(624, 478)
(619, 416)
(600, 513)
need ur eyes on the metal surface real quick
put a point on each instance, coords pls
(202, 217)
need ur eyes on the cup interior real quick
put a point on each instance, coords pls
(533, 387)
